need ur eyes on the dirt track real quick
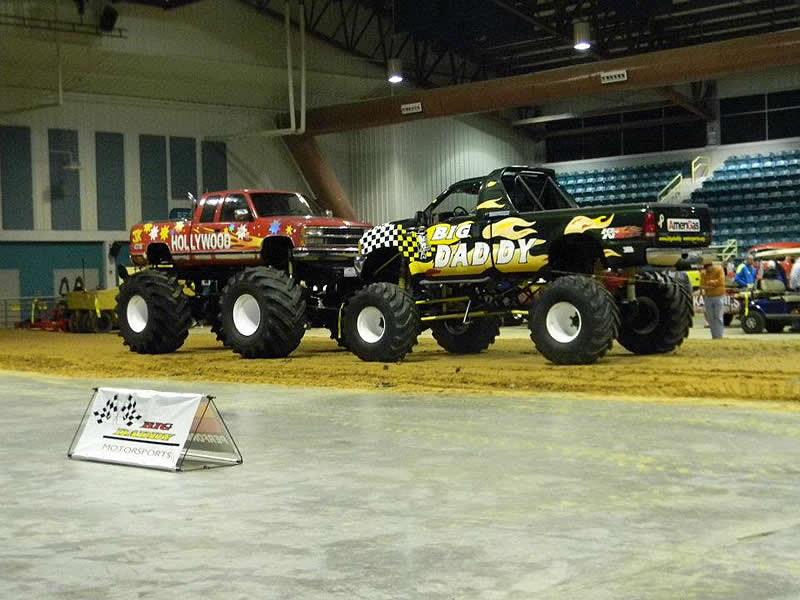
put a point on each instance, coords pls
(745, 369)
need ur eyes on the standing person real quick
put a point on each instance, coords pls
(712, 286)
(746, 273)
(787, 266)
(794, 276)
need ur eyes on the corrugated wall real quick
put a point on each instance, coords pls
(391, 172)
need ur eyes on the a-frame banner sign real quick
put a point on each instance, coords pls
(159, 430)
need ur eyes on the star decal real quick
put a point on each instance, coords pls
(154, 233)
(136, 236)
(147, 227)
(178, 226)
(164, 233)
(231, 227)
(274, 227)
(289, 230)
(241, 233)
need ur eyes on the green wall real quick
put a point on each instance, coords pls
(36, 261)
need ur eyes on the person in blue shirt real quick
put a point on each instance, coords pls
(746, 273)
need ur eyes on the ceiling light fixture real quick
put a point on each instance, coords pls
(582, 35)
(394, 70)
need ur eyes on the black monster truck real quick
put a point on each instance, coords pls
(515, 242)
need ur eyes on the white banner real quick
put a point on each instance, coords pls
(136, 427)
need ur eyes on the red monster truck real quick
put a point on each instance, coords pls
(256, 265)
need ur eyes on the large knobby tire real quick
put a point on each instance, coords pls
(574, 321)
(381, 323)
(262, 313)
(153, 312)
(470, 338)
(663, 316)
(213, 318)
(754, 322)
(101, 324)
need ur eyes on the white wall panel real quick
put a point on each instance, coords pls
(397, 170)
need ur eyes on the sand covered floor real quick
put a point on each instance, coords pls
(744, 368)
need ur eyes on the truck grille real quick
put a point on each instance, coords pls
(334, 237)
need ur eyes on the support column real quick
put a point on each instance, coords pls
(319, 174)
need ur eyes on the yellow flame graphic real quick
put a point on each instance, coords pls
(608, 252)
(507, 228)
(491, 204)
(581, 224)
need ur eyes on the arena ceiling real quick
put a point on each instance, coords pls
(452, 41)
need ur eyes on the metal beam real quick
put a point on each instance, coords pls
(666, 91)
(645, 71)
(320, 176)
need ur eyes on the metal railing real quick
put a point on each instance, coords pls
(728, 251)
(669, 190)
(18, 310)
(701, 167)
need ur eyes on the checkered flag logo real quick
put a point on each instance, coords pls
(125, 411)
(128, 412)
(109, 410)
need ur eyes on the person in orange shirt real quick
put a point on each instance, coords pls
(712, 286)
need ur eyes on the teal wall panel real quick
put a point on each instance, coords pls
(153, 173)
(36, 261)
(215, 166)
(65, 187)
(16, 177)
(183, 167)
(110, 168)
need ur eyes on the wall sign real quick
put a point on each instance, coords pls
(159, 430)
(411, 108)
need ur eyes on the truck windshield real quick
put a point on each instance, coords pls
(284, 204)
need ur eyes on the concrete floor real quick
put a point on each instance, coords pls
(372, 495)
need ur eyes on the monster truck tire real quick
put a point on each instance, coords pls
(727, 319)
(262, 313)
(84, 321)
(153, 312)
(381, 323)
(458, 338)
(213, 318)
(72, 322)
(574, 321)
(663, 318)
(101, 324)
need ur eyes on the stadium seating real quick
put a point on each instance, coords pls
(620, 185)
(754, 198)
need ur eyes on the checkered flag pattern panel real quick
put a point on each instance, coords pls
(407, 243)
(382, 236)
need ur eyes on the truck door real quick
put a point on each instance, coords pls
(202, 228)
(234, 228)
(454, 236)
(517, 232)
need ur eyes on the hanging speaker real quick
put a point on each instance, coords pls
(108, 18)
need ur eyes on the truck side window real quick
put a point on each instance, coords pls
(209, 208)
(230, 205)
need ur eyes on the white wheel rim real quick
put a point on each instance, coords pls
(246, 315)
(563, 322)
(137, 313)
(371, 324)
